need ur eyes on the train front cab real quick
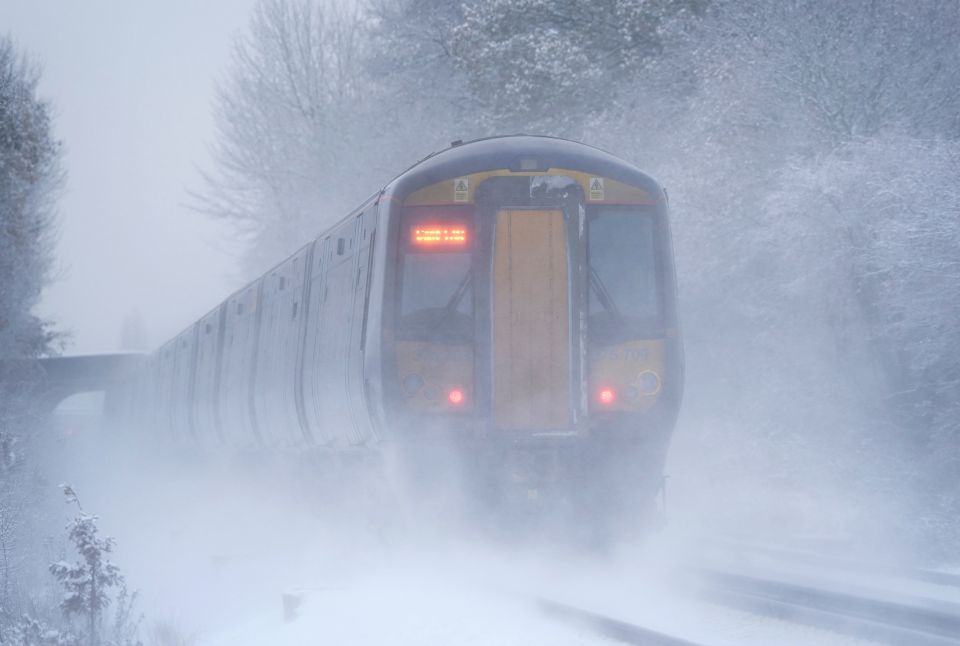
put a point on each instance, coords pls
(530, 322)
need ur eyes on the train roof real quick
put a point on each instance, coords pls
(520, 153)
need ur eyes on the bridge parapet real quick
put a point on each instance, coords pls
(56, 378)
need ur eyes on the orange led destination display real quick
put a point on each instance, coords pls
(438, 235)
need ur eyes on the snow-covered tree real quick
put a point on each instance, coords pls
(87, 583)
(852, 69)
(410, 58)
(293, 151)
(424, 98)
(555, 66)
(809, 147)
(880, 225)
(30, 178)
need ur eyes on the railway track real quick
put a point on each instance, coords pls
(876, 616)
(863, 613)
(741, 549)
(621, 631)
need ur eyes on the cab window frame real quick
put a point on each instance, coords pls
(410, 216)
(629, 326)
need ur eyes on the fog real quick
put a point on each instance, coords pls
(215, 543)
(132, 87)
(810, 152)
(238, 550)
(245, 550)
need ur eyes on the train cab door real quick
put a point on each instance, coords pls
(531, 321)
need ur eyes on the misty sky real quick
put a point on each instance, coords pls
(133, 84)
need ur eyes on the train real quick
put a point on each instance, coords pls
(510, 299)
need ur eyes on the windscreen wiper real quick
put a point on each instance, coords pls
(454, 301)
(604, 297)
(457, 296)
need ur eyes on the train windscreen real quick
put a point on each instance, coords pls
(436, 286)
(624, 297)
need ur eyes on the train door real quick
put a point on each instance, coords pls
(364, 235)
(206, 414)
(531, 324)
(326, 346)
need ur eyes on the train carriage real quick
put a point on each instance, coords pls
(513, 297)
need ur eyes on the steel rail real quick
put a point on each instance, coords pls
(912, 620)
(622, 631)
(923, 575)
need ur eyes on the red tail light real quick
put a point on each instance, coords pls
(607, 396)
(455, 396)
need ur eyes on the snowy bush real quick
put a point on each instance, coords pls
(33, 632)
(88, 583)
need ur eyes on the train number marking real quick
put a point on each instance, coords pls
(623, 354)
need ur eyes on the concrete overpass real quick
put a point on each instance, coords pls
(62, 377)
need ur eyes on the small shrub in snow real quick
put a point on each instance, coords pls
(89, 582)
(33, 632)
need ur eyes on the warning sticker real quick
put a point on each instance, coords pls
(461, 189)
(596, 188)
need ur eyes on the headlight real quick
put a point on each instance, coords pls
(649, 382)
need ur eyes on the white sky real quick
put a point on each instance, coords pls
(133, 84)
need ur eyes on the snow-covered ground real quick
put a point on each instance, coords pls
(463, 593)
(390, 609)
(241, 555)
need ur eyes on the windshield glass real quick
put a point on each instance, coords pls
(623, 275)
(436, 290)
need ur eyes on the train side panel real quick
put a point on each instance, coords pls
(206, 414)
(310, 384)
(365, 235)
(163, 411)
(182, 390)
(275, 379)
(239, 347)
(325, 349)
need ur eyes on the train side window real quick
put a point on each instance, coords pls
(283, 282)
(239, 309)
(340, 246)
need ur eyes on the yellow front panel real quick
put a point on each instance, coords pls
(632, 370)
(531, 335)
(462, 190)
(429, 371)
